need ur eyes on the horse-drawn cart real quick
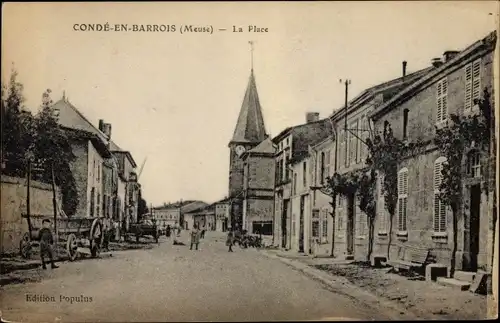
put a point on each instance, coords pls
(78, 235)
(146, 227)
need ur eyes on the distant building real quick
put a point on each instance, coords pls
(222, 215)
(177, 213)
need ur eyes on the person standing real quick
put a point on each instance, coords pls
(168, 231)
(203, 232)
(46, 242)
(230, 240)
(195, 237)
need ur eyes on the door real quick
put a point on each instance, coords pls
(350, 225)
(283, 224)
(301, 225)
(475, 203)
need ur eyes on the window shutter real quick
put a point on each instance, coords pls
(444, 100)
(476, 80)
(437, 176)
(442, 216)
(439, 102)
(468, 86)
(404, 219)
(400, 214)
(436, 212)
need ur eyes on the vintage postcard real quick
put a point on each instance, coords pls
(249, 161)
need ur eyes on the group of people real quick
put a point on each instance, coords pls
(196, 235)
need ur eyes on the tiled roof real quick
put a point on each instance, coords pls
(250, 125)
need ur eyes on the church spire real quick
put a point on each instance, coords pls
(250, 126)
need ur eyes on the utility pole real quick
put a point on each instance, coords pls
(28, 207)
(54, 202)
(346, 82)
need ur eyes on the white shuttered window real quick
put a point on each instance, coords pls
(402, 199)
(472, 83)
(439, 206)
(442, 100)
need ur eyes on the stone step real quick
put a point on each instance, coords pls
(465, 276)
(455, 283)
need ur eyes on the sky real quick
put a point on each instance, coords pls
(174, 98)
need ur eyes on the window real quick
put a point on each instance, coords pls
(315, 228)
(294, 183)
(362, 224)
(322, 168)
(287, 171)
(473, 164)
(327, 165)
(340, 222)
(472, 83)
(402, 199)
(98, 204)
(92, 202)
(364, 134)
(353, 144)
(343, 148)
(439, 206)
(442, 100)
(381, 211)
(324, 226)
(293, 225)
(405, 123)
(304, 174)
(98, 172)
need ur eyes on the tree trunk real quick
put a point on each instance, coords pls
(455, 238)
(390, 236)
(333, 228)
(370, 238)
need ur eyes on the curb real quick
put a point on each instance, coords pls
(342, 286)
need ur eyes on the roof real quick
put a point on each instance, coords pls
(128, 154)
(71, 117)
(307, 135)
(389, 88)
(487, 42)
(94, 139)
(265, 147)
(250, 125)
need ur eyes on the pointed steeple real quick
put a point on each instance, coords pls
(250, 127)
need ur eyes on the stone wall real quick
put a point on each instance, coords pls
(13, 197)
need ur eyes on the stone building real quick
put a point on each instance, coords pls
(89, 145)
(292, 146)
(451, 87)
(222, 215)
(258, 187)
(249, 132)
(346, 152)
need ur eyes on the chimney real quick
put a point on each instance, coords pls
(404, 69)
(436, 62)
(101, 124)
(312, 117)
(449, 54)
(106, 129)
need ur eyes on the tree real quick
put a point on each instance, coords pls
(367, 203)
(53, 151)
(385, 154)
(142, 207)
(17, 130)
(462, 133)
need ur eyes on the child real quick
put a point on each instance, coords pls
(195, 237)
(46, 241)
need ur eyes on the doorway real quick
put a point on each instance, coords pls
(283, 224)
(301, 225)
(350, 225)
(475, 208)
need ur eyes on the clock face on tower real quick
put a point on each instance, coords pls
(239, 150)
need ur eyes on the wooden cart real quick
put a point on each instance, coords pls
(78, 235)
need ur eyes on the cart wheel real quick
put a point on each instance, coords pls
(25, 246)
(137, 237)
(156, 237)
(71, 247)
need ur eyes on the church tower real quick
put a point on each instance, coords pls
(248, 133)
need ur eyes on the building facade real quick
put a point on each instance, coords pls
(258, 188)
(457, 80)
(292, 147)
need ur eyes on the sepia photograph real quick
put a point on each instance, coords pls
(249, 161)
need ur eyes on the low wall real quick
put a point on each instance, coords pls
(13, 204)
